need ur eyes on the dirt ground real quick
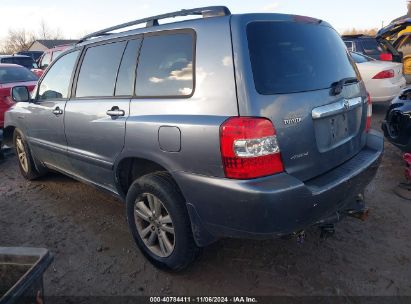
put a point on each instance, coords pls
(94, 254)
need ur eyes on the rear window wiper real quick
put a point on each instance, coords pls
(337, 87)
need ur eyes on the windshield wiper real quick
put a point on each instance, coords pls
(337, 87)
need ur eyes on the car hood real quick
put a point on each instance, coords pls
(393, 28)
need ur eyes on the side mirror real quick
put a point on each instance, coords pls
(20, 94)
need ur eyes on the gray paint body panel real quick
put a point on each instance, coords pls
(183, 136)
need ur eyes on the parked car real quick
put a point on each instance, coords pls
(51, 54)
(373, 47)
(397, 123)
(22, 60)
(398, 35)
(33, 54)
(258, 138)
(12, 75)
(383, 80)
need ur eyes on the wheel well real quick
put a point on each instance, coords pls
(8, 136)
(131, 169)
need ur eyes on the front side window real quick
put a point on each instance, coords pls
(98, 72)
(56, 82)
(165, 67)
(45, 61)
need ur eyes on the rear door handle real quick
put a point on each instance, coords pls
(115, 112)
(57, 111)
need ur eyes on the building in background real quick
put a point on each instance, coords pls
(44, 45)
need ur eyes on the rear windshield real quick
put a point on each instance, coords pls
(27, 62)
(290, 57)
(16, 74)
(371, 46)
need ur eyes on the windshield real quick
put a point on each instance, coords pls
(27, 62)
(289, 57)
(16, 74)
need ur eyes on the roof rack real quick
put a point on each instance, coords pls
(206, 12)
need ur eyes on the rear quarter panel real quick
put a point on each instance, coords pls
(199, 117)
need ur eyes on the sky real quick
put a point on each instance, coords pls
(75, 18)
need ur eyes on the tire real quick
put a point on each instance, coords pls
(25, 159)
(151, 190)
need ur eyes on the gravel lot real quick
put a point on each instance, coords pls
(94, 254)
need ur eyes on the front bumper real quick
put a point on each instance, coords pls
(276, 205)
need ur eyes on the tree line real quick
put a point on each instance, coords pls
(18, 40)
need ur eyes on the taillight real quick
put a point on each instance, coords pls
(249, 148)
(369, 114)
(385, 74)
(386, 57)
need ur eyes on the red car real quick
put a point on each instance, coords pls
(12, 75)
(48, 57)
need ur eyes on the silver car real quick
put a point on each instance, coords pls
(249, 126)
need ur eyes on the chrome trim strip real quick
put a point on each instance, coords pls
(338, 107)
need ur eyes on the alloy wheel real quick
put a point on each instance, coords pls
(21, 153)
(154, 225)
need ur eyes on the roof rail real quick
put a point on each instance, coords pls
(206, 12)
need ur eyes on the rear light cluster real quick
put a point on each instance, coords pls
(386, 57)
(385, 74)
(369, 114)
(249, 148)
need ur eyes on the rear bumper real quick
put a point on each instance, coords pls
(387, 90)
(277, 205)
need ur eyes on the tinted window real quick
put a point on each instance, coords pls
(127, 72)
(371, 47)
(16, 74)
(27, 62)
(291, 57)
(99, 69)
(359, 58)
(56, 82)
(165, 66)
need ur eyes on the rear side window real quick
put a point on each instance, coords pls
(289, 57)
(99, 69)
(165, 67)
(127, 72)
(55, 84)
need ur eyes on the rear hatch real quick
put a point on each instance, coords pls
(296, 64)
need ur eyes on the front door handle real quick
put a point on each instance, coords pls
(57, 111)
(115, 112)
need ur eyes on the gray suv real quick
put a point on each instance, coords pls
(249, 126)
